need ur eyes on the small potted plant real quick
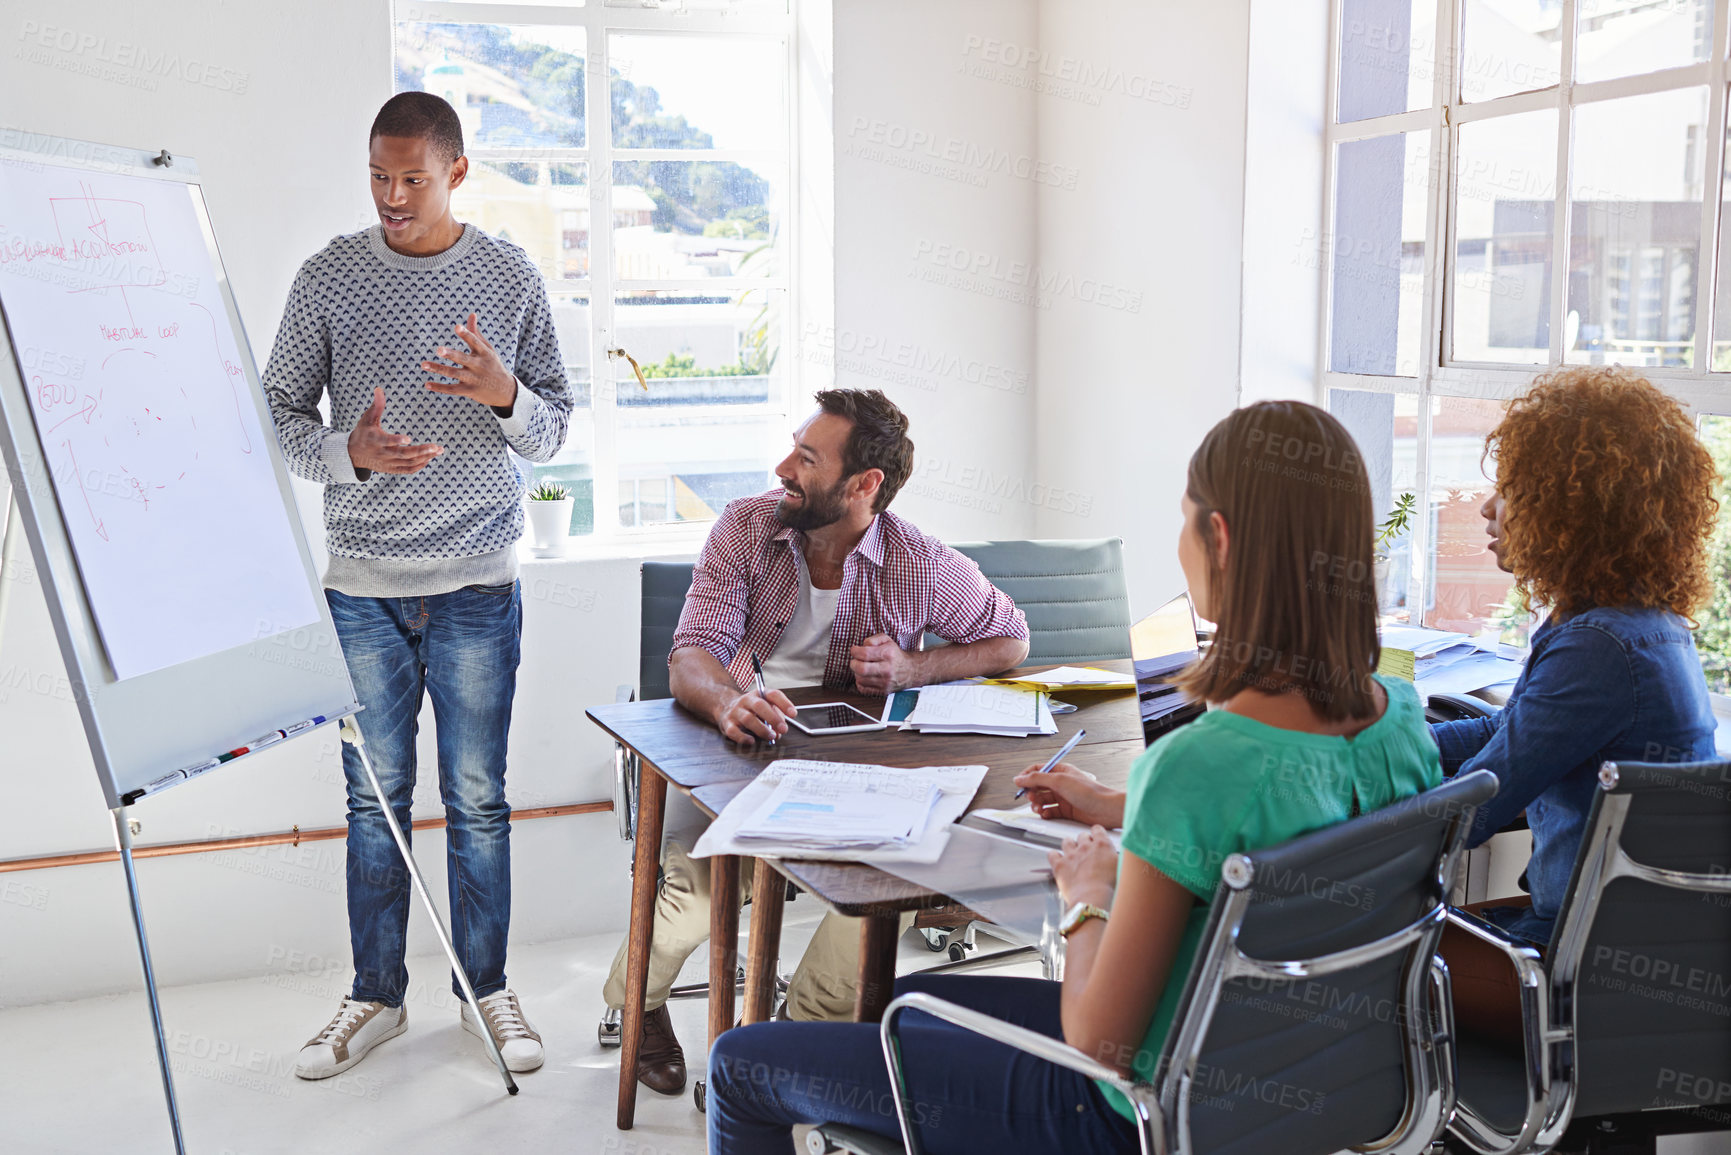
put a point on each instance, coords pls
(550, 517)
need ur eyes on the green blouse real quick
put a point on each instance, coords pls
(1227, 784)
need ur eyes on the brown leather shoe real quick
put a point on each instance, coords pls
(661, 1060)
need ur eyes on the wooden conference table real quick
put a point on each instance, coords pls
(675, 747)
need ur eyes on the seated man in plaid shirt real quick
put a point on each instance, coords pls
(826, 586)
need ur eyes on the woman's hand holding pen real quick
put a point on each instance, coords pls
(751, 716)
(1066, 792)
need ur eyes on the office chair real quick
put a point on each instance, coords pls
(1333, 990)
(1627, 1020)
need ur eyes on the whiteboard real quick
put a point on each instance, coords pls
(141, 453)
(133, 375)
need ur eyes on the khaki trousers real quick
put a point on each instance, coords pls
(823, 987)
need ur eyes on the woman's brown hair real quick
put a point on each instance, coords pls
(1609, 494)
(1295, 605)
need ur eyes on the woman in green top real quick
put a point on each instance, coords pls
(1276, 550)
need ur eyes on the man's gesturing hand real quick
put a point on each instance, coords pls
(752, 716)
(370, 447)
(478, 373)
(880, 666)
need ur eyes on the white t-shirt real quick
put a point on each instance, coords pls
(802, 652)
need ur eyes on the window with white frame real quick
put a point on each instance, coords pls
(1515, 184)
(639, 151)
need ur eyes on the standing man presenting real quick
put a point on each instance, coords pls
(435, 343)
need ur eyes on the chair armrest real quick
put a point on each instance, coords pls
(1461, 705)
(1537, 1035)
(1021, 1038)
(625, 773)
(1524, 958)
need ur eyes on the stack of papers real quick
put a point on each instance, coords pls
(1444, 662)
(1158, 697)
(1070, 678)
(798, 808)
(838, 812)
(980, 708)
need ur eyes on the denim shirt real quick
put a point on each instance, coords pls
(1622, 684)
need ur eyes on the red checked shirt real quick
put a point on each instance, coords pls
(896, 581)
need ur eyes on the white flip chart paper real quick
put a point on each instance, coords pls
(146, 416)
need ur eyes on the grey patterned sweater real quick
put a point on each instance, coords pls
(360, 315)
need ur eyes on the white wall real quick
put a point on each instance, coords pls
(1138, 337)
(935, 188)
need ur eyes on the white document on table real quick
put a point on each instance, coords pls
(841, 786)
(838, 811)
(1465, 675)
(974, 708)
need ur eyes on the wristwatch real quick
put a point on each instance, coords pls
(1079, 914)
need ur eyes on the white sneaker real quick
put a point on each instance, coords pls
(357, 1029)
(518, 1043)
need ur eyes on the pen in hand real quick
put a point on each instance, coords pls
(762, 690)
(1057, 758)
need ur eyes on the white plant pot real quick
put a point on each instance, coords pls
(550, 524)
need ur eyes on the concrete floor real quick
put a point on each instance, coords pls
(81, 1077)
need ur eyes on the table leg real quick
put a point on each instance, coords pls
(768, 896)
(651, 799)
(723, 941)
(878, 934)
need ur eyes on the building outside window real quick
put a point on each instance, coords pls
(669, 124)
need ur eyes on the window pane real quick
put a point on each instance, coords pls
(1625, 37)
(573, 467)
(541, 205)
(1505, 191)
(709, 427)
(755, 7)
(693, 218)
(1510, 46)
(512, 86)
(1378, 250)
(1635, 229)
(1713, 639)
(1387, 57)
(1385, 425)
(1472, 594)
(682, 91)
(1721, 352)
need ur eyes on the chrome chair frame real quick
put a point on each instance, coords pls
(1547, 992)
(1163, 1107)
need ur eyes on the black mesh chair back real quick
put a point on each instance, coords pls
(1310, 1021)
(1642, 950)
(664, 587)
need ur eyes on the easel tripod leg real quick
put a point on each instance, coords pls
(123, 843)
(352, 735)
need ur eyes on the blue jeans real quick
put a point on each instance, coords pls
(966, 1094)
(462, 649)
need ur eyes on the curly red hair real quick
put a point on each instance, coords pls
(1610, 494)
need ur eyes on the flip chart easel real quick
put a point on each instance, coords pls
(145, 473)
